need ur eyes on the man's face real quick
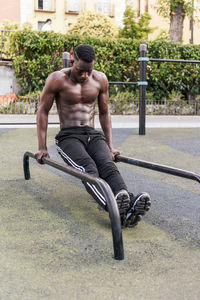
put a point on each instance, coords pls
(81, 70)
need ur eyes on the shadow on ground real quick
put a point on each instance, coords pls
(56, 244)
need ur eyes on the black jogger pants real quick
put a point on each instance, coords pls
(86, 150)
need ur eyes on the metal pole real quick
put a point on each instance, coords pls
(159, 168)
(142, 90)
(66, 59)
(192, 25)
(123, 82)
(163, 60)
(99, 183)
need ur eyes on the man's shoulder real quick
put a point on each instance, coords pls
(98, 75)
(101, 79)
(61, 74)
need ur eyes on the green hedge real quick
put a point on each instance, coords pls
(164, 78)
(37, 54)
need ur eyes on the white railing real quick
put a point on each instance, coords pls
(16, 105)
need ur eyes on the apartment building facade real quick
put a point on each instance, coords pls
(191, 28)
(64, 13)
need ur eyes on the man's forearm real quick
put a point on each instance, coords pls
(106, 125)
(42, 123)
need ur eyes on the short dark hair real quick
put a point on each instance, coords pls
(84, 52)
(47, 20)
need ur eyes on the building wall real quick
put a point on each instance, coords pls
(26, 11)
(64, 12)
(10, 10)
(7, 79)
(60, 11)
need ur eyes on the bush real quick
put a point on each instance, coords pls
(165, 78)
(122, 102)
(37, 54)
(134, 28)
(94, 24)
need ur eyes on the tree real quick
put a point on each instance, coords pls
(94, 25)
(176, 11)
(7, 25)
(133, 28)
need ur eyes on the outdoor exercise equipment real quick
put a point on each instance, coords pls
(143, 60)
(158, 167)
(106, 190)
(142, 83)
(99, 183)
(66, 59)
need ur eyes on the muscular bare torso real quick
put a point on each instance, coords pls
(76, 101)
(75, 90)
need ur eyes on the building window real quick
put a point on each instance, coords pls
(40, 4)
(40, 25)
(74, 5)
(44, 5)
(104, 6)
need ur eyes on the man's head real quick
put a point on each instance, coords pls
(83, 65)
(85, 53)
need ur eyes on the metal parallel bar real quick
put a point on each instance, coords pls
(159, 168)
(121, 82)
(142, 90)
(114, 219)
(99, 183)
(66, 59)
(27, 123)
(174, 60)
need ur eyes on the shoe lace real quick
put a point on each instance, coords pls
(132, 198)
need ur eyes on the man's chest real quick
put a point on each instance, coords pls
(79, 93)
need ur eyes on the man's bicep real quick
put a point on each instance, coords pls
(47, 96)
(103, 97)
(46, 100)
(103, 102)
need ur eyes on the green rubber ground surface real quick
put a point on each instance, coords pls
(55, 244)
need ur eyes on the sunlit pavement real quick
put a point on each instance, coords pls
(56, 244)
(127, 121)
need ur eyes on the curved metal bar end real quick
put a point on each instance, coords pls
(119, 251)
(198, 178)
(27, 175)
(114, 218)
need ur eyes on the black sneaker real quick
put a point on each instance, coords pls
(123, 201)
(139, 205)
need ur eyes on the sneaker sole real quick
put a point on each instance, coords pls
(141, 206)
(123, 203)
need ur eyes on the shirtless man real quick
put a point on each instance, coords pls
(76, 91)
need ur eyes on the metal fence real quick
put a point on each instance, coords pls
(21, 106)
(128, 107)
(143, 59)
(155, 107)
